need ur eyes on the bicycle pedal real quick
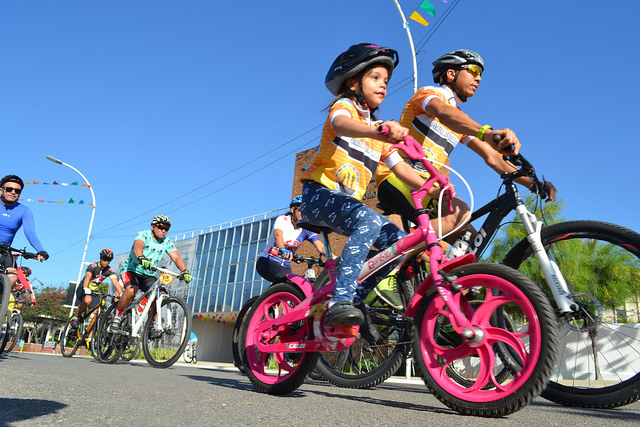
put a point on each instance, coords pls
(337, 332)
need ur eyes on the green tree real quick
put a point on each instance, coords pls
(50, 302)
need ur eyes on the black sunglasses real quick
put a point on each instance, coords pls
(13, 190)
(163, 227)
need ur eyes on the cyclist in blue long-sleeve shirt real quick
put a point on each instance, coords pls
(14, 215)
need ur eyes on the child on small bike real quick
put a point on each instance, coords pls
(350, 150)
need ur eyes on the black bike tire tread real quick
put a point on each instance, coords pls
(117, 353)
(64, 339)
(4, 305)
(546, 362)
(17, 334)
(145, 346)
(235, 337)
(601, 398)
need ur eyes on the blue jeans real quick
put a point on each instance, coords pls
(365, 228)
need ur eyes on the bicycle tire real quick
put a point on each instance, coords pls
(94, 347)
(437, 348)
(110, 345)
(610, 377)
(132, 350)
(164, 350)
(15, 332)
(71, 338)
(4, 305)
(277, 373)
(237, 340)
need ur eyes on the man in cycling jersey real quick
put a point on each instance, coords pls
(148, 250)
(434, 118)
(14, 215)
(96, 273)
(274, 261)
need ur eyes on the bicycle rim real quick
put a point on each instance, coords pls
(110, 345)
(70, 339)
(599, 348)
(15, 332)
(366, 364)
(164, 342)
(527, 354)
(282, 372)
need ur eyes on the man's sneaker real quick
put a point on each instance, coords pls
(387, 289)
(75, 322)
(114, 327)
(343, 313)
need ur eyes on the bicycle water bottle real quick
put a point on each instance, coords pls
(140, 308)
(461, 245)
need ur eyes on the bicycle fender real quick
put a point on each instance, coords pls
(300, 282)
(424, 287)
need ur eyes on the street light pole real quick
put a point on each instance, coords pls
(93, 213)
(413, 49)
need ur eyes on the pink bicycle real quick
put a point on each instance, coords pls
(484, 336)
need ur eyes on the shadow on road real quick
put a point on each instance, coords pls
(25, 409)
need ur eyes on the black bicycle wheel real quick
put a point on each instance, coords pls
(71, 338)
(132, 350)
(5, 289)
(164, 342)
(599, 348)
(110, 345)
(15, 331)
(237, 340)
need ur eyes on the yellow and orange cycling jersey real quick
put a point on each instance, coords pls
(345, 163)
(437, 140)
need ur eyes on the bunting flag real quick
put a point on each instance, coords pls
(426, 6)
(418, 18)
(64, 184)
(71, 201)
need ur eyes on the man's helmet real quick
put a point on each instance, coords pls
(106, 254)
(357, 58)
(455, 60)
(12, 178)
(297, 201)
(160, 219)
(26, 271)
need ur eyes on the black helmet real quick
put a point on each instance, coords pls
(160, 219)
(106, 254)
(455, 60)
(354, 60)
(12, 178)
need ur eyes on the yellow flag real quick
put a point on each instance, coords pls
(416, 17)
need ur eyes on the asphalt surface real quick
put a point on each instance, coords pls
(45, 389)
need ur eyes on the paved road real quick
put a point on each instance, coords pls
(44, 389)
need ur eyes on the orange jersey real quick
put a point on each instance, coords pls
(344, 163)
(437, 140)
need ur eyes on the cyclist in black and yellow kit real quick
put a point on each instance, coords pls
(96, 273)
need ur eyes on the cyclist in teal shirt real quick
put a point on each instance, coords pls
(148, 250)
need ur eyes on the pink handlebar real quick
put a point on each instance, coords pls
(413, 149)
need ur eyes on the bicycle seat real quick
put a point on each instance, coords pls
(318, 229)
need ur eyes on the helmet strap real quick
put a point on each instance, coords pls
(452, 85)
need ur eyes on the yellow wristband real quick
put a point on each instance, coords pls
(482, 130)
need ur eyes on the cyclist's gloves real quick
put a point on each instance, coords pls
(285, 253)
(145, 262)
(186, 275)
(44, 255)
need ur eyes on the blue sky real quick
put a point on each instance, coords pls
(195, 109)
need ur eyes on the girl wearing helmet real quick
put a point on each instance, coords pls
(349, 153)
(274, 261)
